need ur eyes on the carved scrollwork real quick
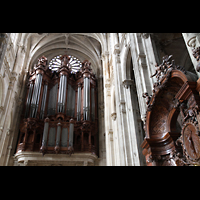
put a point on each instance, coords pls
(189, 139)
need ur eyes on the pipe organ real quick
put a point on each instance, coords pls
(60, 111)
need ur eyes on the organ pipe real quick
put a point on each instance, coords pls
(45, 134)
(62, 93)
(36, 95)
(93, 104)
(86, 103)
(28, 100)
(71, 132)
(79, 104)
(84, 100)
(43, 101)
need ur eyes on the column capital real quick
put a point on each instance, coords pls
(126, 83)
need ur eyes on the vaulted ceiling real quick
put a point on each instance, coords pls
(81, 45)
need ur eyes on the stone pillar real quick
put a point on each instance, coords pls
(192, 41)
(138, 77)
(120, 103)
(107, 112)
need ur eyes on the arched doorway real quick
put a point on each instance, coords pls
(172, 118)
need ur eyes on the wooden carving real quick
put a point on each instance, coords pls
(172, 118)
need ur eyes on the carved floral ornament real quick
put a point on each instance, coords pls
(169, 145)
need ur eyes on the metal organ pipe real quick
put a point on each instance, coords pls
(28, 100)
(59, 94)
(73, 102)
(58, 134)
(84, 98)
(45, 132)
(70, 101)
(93, 104)
(86, 103)
(52, 100)
(79, 104)
(36, 95)
(71, 134)
(43, 102)
(64, 93)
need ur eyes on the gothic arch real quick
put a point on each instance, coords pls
(81, 45)
(174, 96)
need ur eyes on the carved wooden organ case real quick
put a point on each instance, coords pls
(60, 111)
(172, 124)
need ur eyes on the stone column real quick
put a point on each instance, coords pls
(120, 103)
(192, 41)
(138, 78)
(107, 102)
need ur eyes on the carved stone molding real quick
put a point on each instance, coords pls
(127, 83)
(110, 133)
(114, 116)
(122, 107)
(145, 35)
(192, 42)
(196, 54)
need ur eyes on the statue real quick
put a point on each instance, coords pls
(147, 97)
(42, 61)
(163, 68)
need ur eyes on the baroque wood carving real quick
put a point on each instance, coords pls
(172, 117)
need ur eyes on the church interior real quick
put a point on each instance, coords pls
(99, 99)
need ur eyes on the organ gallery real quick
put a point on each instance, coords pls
(60, 111)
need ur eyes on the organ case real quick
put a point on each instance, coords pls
(60, 111)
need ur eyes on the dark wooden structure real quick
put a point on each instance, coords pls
(60, 111)
(172, 118)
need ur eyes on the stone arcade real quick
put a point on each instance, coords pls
(99, 99)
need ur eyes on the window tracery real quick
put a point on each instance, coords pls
(74, 64)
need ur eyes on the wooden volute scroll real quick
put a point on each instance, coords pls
(53, 117)
(172, 118)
